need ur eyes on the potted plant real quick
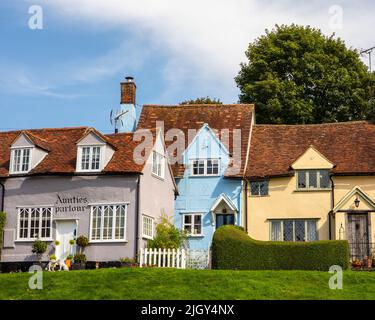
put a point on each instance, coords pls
(356, 263)
(39, 247)
(68, 261)
(79, 261)
(82, 243)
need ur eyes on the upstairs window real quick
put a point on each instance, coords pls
(158, 163)
(313, 179)
(90, 158)
(205, 167)
(259, 188)
(20, 160)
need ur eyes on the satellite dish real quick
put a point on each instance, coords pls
(116, 118)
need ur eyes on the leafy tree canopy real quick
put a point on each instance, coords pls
(295, 74)
(202, 100)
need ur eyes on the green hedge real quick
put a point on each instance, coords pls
(232, 248)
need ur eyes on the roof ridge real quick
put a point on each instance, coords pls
(45, 129)
(315, 124)
(196, 105)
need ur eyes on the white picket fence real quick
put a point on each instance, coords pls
(163, 258)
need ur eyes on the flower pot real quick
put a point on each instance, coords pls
(68, 263)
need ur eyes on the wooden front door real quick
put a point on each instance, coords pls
(358, 236)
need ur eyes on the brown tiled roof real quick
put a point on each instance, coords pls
(350, 146)
(62, 151)
(218, 117)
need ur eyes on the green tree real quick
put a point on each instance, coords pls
(295, 74)
(167, 236)
(202, 100)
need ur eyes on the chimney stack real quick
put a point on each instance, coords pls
(128, 91)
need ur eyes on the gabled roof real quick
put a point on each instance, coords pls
(214, 136)
(224, 198)
(355, 191)
(62, 151)
(218, 117)
(349, 145)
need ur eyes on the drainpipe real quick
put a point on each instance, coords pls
(2, 196)
(245, 206)
(137, 217)
(330, 215)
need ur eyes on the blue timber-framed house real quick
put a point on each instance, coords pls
(208, 147)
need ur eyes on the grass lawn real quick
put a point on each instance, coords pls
(166, 284)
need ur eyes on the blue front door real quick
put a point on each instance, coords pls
(224, 219)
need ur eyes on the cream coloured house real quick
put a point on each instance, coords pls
(313, 182)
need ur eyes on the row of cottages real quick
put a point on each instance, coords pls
(204, 166)
(58, 184)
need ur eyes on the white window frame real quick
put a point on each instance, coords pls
(101, 240)
(193, 215)
(294, 226)
(152, 220)
(29, 208)
(205, 174)
(160, 164)
(80, 158)
(12, 159)
(307, 179)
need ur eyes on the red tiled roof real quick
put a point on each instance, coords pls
(62, 150)
(350, 146)
(218, 117)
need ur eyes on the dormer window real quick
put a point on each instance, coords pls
(90, 158)
(313, 179)
(20, 160)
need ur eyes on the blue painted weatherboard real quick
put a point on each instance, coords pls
(197, 194)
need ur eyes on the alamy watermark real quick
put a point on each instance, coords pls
(36, 18)
(336, 281)
(336, 20)
(36, 280)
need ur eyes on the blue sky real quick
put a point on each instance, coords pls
(68, 73)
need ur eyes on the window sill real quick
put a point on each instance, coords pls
(195, 236)
(147, 238)
(107, 241)
(204, 175)
(157, 177)
(32, 240)
(259, 196)
(313, 190)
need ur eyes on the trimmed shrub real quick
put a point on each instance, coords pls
(232, 248)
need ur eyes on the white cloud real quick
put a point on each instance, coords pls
(205, 40)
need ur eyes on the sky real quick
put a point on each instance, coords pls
(68, 72)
